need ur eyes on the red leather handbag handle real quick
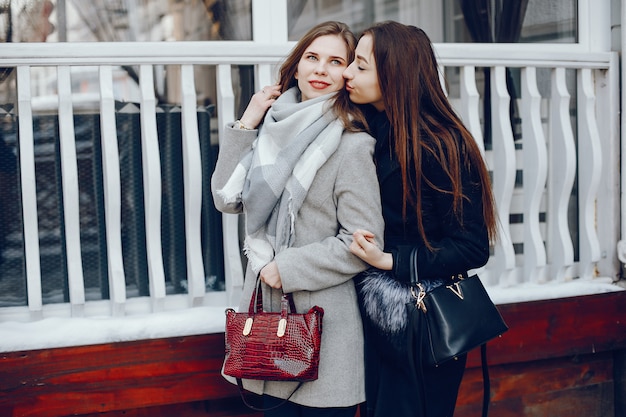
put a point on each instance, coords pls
(256, 301)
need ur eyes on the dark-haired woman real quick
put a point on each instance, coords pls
(437, 202)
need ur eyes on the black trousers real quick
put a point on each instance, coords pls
(290, 409)
(396, 385)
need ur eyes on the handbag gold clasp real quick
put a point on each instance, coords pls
(282, 327)
(418, 293)
(247, 328)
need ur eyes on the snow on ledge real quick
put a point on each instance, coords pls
(552, 290)
(54, 332)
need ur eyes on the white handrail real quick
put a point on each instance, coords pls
(250, 53)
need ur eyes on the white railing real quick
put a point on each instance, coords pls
(550, 153)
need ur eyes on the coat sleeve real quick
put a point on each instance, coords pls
(329, 262)
(235, 144)
(460, 245)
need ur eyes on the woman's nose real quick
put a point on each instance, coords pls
(347, 73)
(321, 67)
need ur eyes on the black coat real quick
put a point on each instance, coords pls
(395, 384)
(460, 247)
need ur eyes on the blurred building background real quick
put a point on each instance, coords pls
(446, 21)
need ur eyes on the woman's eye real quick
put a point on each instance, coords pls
(360, 68)
(311, 58)
(336, 62)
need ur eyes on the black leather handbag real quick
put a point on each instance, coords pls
(458, 316)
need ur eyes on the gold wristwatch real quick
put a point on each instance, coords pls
(239, 125)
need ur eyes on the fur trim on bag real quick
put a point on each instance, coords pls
(384, 299)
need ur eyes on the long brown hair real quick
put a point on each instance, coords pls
(350, 115)
(417, 106)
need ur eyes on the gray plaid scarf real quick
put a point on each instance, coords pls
(273, 179)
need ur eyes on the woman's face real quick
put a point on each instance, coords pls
(362, 77)
(320, 70)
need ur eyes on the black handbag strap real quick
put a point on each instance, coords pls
(486, 382)
(255, 408)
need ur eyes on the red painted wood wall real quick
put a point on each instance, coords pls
(564, 358)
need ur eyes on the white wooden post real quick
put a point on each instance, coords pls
(535, 175)
(69, 180)
(561, 172)
(192, 177)
(504, 167)
(112, 193)
(29, 192)
(151, 162)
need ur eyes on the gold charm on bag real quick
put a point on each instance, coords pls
(418, 293)
(456, 290)
(455, 287)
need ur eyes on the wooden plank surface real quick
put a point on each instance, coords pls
(558, 328)
(581, 383)
(557, 355)
(116, 376)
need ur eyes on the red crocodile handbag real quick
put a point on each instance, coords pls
(273, 346)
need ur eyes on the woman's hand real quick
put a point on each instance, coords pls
(259, 103)
(270, 275)
(364, 246)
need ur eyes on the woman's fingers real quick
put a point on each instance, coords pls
(271, 92)
(260, 102)
(271, 276)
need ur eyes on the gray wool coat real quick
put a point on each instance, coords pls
(319, 267)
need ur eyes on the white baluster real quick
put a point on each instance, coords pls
(192, 174)
(608, 209)
(469, 111)
(503, 175)
(233, 270)
(589, 172)
(28, 188)
(151, 163)
(561, 171)
(470, 102)
(535, 174)
(112, 193)
(442, 78)
(69, 181)
(269, 24)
